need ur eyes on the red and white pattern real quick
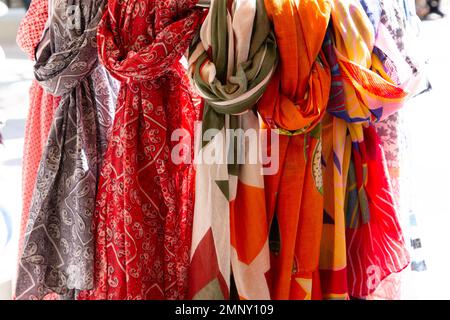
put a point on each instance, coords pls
(32, 26)
(144, 207)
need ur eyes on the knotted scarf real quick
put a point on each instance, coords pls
(58, 251)
(230, 67)
(357, 189)
(293, 105)
(40, 112)
(143, 220)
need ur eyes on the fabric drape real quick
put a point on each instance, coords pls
(144, 207)
(293, 106)
(58, 251)
(398, 61)
(40, 112)
(230, 67)
(358, 191)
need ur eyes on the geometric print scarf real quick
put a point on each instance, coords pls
(230, 66)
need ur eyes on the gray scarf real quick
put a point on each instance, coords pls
(58, 254)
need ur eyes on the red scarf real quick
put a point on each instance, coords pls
(144, 206)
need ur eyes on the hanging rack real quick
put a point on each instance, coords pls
(204, 3)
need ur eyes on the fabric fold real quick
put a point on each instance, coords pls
(293, 106)
(374, 242)
(231, 66)
(58, 254)
(41, 110)
(144, 206)
(397, 61)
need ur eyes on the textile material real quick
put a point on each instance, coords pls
(293, 106)
(144, 207)
(40, 112)
(58, 250)
(395, 21)
(373, 10)
(231, 66)
(360, 200)
(32, 26)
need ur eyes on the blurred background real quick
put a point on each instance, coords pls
(16, 72)
(426, 127)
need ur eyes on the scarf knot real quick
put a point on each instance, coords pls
(234, 57)
(295, 100)
(58, 251)
(152, 54)
(67, 52)
(370, 96)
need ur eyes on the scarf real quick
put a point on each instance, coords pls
(58, 251)
(373, 11)
(399, 64)
(230, 68)
(358, 194)
(143, 219)
(40, 112)
(293, 106)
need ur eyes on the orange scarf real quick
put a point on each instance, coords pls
(293, 105)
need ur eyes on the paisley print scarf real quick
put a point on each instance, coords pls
(144, 208)
(293, 106)
(230, 67)
(41, 110)
(58, 251)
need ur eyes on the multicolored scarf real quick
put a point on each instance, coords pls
(293, 106)
(58, 252)
(358, 193)
(41, 110)
(230, 67)
(144, 209)
(399, 62)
